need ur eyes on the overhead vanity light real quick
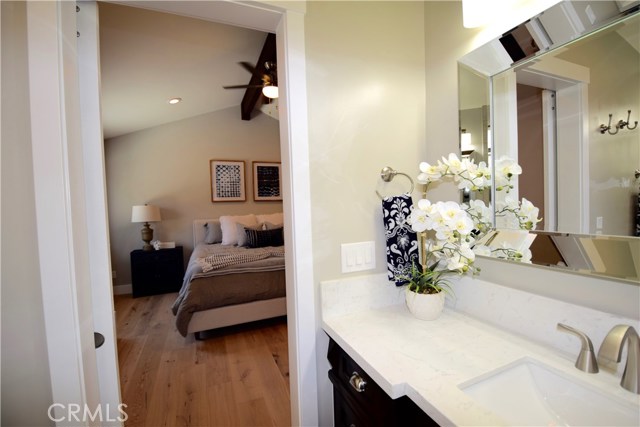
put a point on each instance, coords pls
(472, 13)
(270, 91)
(174, 100)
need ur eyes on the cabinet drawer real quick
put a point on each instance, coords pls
(344, 368)
(370, 406)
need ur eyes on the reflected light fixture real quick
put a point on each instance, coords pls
(270, 91)
(146, 214)
(173, 101)
(465, 141)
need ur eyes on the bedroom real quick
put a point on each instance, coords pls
(162, 157)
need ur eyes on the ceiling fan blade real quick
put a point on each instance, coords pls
(240, 86)
(249, 67)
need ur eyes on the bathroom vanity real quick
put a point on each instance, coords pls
(457, 369)
(359, 401)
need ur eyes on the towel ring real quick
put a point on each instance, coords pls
(388, 173)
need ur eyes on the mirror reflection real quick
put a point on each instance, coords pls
(475, 135)
(583, 180)
(550, 111)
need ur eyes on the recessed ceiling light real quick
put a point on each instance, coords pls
(174, 100)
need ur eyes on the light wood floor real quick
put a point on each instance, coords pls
(237, 376)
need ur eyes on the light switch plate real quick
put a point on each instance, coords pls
(358, 256)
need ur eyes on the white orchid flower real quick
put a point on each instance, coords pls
(506, 166)
(429, 173)
(418, 220)
(453, 163)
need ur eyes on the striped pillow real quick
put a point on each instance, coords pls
(263, 238)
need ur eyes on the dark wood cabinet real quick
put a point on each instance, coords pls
(156, 272)
(358, 404)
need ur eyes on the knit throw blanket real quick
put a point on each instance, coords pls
(402, 241)
(220, 260)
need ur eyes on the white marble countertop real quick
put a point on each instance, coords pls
(427, 360)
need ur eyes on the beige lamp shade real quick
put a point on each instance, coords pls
(145, 213)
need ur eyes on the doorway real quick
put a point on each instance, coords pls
(135, 43)
(288, 24)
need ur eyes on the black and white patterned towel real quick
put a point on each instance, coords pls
(402, 241)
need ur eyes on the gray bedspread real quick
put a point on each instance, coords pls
(235, 284)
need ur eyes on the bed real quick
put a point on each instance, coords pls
(226, 285)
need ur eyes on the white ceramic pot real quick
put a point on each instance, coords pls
(424, 306)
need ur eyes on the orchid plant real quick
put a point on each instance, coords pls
(454, 229)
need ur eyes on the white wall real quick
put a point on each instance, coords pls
(365, 74)
(168, 166)
(26, 388)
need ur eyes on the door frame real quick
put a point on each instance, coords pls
(61, 219)
(61, 206)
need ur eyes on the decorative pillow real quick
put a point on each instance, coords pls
(275, 218)
(242, 233)
(262, 238)
(229, 229)
(213, 233)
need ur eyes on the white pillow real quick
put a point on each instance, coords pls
(213, 233)
(229, 228)
(275, 218)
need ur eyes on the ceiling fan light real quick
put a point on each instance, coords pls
(270, 91)
(173, 101)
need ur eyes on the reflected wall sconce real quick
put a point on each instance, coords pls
(620, 125)
(146, 214)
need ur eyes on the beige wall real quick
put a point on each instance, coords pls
(365, 74)
(26, 388)
(168, 166)
(380, 94)
(365, 81)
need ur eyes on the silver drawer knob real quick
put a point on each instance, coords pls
(357, 382)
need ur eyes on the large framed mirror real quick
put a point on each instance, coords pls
(563, 96)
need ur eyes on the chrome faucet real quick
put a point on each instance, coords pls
(611, 350)
(586, 359)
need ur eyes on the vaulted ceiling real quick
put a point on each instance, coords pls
(148, 57)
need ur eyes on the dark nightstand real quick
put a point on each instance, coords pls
(156, 272)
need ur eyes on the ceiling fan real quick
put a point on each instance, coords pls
(269, 78)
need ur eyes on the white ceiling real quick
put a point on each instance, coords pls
(148, 57)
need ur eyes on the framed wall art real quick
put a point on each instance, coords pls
(267, 181)
(227, 181)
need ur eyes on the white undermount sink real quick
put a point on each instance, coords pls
(528, 392)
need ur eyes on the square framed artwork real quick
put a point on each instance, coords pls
(227, 181)
(267, 181)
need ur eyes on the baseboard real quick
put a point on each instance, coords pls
(122, 289)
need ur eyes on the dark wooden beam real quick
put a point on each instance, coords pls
(253, 94)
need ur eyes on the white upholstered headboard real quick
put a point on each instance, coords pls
(199, 232)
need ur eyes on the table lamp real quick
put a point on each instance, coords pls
(146, 214)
